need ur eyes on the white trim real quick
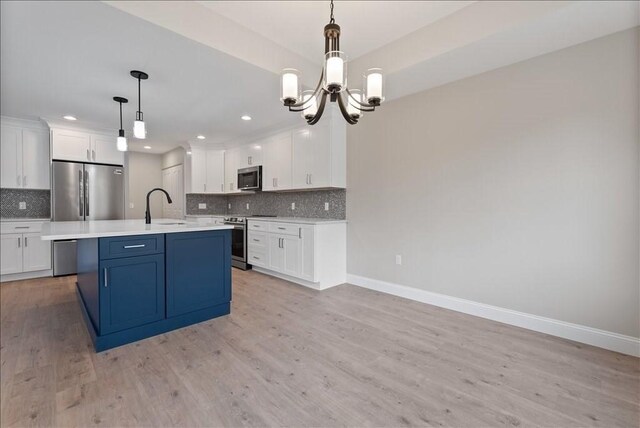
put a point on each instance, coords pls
(313, 285)
(25, 275)
(603, 339)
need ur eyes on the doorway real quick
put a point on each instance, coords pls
(173, 182)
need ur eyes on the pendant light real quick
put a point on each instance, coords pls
(333, 84)
(121, 142)
(139, 129)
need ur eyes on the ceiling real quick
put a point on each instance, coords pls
(212, 62)
(365, 25)
(61, 58)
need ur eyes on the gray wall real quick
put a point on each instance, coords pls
(517, 188)
(144, 172)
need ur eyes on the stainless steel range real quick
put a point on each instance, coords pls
(239, 241)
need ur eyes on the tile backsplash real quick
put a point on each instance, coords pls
(310, 204)
(38, 203)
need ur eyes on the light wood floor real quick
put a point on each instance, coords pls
(290, 356)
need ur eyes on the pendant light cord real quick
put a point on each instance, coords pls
(120, 114)
(332, 20)
(139, 100)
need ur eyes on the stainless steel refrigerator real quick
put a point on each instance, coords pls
(81, 192)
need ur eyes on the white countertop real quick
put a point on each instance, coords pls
(299, 220)
(13, 219)
(57, 230)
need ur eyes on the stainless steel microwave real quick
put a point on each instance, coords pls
(250, 178)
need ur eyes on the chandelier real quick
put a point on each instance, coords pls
(333, 84)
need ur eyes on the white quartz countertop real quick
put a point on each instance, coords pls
(299, 220)
(57, 230)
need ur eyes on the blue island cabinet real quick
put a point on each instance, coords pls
(135, 287)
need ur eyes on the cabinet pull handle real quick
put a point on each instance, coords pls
(24, 181)
(310, 181)
(93, 153)
(205, 187)
(282, 228)
(256, 257)
(299, 233)
(26, 243)
(88, 156)
(106, 284)
(135, 246)
(21, 227)
(18, 180)
(222, 187)
(19, 242)
(256, 240)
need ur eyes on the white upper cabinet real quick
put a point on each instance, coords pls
(207, 171)
(198, 161)
(231, 160)
(215, 171)
(319, 154)
(276, 169)
(81, 146)
(105, 150)
(24, 154)
(71, 145)
(249, 155)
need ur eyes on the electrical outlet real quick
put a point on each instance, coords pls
(229, 206)
(202, 206)
(131, 205)
(247, 205)
(326, 206)
(293, 205)
(22, 205)
(398, 259)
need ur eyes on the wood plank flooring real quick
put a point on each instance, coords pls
(291, 356)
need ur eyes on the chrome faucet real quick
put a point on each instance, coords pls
(147, 213)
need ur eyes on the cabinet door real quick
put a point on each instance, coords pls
(10, 157)
(291, 249)
(36, 253)
(10, 253)
(307, 260)
(215, 171)
(276, 169)
(131, 292)
(71, 145)
(231, 170)
(35, 159)
(105, 150)
(198, 270)
(253, 153)
(276, 253)
(198, 170)
(311, 155)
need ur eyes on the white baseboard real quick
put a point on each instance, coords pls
(314, 285)
(603, 339)
(26, 275)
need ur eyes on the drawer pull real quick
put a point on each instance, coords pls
(257, 258)
(256, 240)
(135, 246)
(106, 284)
(282, 228)
(22, 227)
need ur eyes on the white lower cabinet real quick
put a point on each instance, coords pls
(309, 254)
(22, 250)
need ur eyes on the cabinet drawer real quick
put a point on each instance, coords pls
(126, 246)
(20, 227)
(284, 228)
(257, 239)
(258, 225)
(257, 256)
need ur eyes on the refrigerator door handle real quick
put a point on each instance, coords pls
(87, 197)
(80, 195)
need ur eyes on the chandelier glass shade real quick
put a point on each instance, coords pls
(332, 85)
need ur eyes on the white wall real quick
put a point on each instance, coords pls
(517, 188)
(173, 157)
(144, 172)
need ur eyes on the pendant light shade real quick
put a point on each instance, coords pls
(335, 71)
(311, 104)
(290, 86)
(139, 128)
(121, 141)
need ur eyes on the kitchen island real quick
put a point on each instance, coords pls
(137, 280)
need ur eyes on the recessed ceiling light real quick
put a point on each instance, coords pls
(188, 153)
(147, 147)
(246, 117)
(200, 137)
(69, 117)
(258, 146)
